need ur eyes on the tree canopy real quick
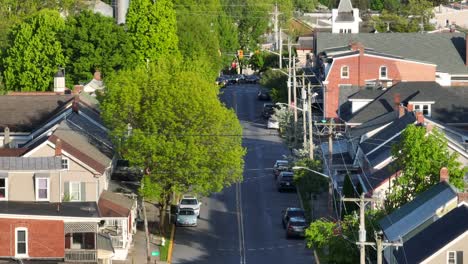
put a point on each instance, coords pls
(181, 133)
(421, 156)
(152, 26)
(94, 42)
(34, 53)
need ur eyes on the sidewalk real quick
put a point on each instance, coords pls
(319, 206)
(137, 252)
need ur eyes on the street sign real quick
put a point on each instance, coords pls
(154, 253)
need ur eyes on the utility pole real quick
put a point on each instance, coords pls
(304, 111)
(289, 71)
(295, 100)
(280, 50)
(309, 109)
(275, 18)
(379, 245)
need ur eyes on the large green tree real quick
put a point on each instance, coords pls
(34, 52)
(181, 133)
(94, 42)
(420, 156)
(152, 27)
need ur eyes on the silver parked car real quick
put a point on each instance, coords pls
(186, 217)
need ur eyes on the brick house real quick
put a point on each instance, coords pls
(346, 62)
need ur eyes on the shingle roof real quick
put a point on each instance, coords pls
(345, 6)
(115, 205)
(377, 178)
(449, 106)
(449, 227)
(373, 124)
(417, 46)
(30, 163)
(379, 140)
(418, 211)
(66, 209)
(24, 113)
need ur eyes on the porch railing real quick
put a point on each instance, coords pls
(81, 255)
(117, 241)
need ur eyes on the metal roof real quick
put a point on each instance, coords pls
(30, 163)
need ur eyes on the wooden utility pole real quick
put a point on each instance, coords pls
(304, 111)
(280, 50)
(289, 71)
(311, 139)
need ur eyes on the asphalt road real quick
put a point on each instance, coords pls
(242, 224)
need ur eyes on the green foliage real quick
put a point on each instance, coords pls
(179, 129)
(92, 41)
(276, 81)
(305, 6)
(309, 182)
(328, 239)
(34, 53)
(257, 61)
(377, 5)
(152, 26)
(421, 157)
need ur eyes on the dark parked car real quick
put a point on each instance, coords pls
(280, 165)
(268, 110)
(285, 181)
(296, 227)
(252, 79)
(263, 95)
(291, 212)
(222, 81)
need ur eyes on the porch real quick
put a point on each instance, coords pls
(83, 244)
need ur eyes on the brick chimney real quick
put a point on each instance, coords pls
(97, 75)
(58, 147)
(6, 137)
(75, 104)
(444, 175)
(420, 118)
(410, 107)
(77, 89)
(397, 101)
(462, 197)
(401, 111)
(429, 127)
(357, 46)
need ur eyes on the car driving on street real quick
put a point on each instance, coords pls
(280, 165)
(291, 212)
(285, 181)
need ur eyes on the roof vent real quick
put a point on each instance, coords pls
(88, 209)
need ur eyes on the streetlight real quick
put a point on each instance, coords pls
(293, 106)
(330, 185)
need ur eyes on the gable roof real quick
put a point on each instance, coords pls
(412, 214)
(345, 6)
(417, 46)
(115, 205)
(377, 178)
(24, 113)
(448, 228)
(449, 106)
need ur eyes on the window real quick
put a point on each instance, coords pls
(452, 257)
(65, 164)
(42, 189)
(75, 191)
(424, 108)
(21, 242)
(345, 72)
(3, 188)
(383, 72)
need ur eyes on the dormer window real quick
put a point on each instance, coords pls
(424, 108)
(345, 72)
(383, 72)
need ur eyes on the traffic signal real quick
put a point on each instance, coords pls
(240, 54)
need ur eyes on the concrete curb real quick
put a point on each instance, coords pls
(171, 245)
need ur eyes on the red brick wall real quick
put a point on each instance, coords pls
(46, 238)
(362, 68)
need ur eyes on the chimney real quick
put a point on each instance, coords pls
(77, 89)
(410, 107)
(420, 118)
(357, 46)
(75, 104)
(462, 197)
(97, 75)
(444, 175)
(401, 111)
(466, 50)
(59, 81)
(397, 101)
(6, 138)
(429, 127)
(58, 147)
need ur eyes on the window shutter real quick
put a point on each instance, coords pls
(459, 257)
(66, 190)
(83, 191)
